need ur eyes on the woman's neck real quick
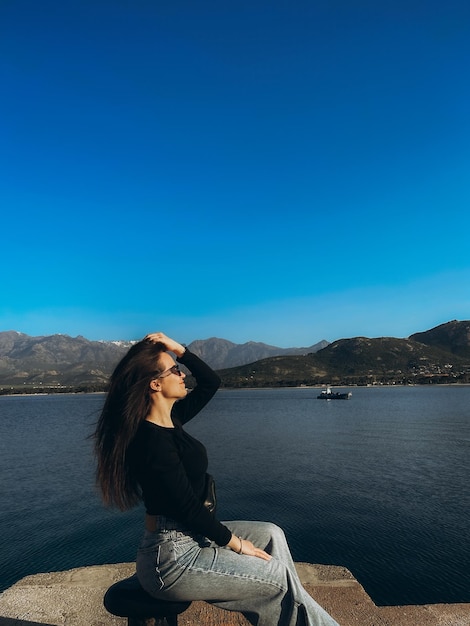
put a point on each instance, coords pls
(160, 413)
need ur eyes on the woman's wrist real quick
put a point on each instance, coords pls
(179, 350)
(236, 544)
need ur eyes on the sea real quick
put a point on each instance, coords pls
(378, 484)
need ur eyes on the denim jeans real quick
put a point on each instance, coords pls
(174, 564)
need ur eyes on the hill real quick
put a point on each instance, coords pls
(361, 361)
(452, 337)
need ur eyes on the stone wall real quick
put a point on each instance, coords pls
(75, 598)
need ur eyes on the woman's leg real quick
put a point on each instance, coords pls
(272, 539)
(268, 593)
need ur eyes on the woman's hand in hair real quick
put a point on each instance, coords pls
(170, 344)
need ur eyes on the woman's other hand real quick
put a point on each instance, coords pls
(244, 546)
(170, 344)
(251, 550)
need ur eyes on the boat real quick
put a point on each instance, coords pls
(327, 394)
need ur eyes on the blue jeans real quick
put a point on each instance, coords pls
(174, 564)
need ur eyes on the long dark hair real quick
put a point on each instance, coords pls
(127, 404)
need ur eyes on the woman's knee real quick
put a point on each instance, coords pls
(262, 534)
(272, 535)
(275, 531)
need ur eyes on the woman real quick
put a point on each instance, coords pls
(144, 453)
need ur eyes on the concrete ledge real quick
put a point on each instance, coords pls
(75, 598)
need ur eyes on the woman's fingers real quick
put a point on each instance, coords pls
(170, 344)
(156, 337)
(250, 550)
(261, 554)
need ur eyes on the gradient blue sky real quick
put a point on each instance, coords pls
(253, 170)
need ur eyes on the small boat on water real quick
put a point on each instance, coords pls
(327, 394)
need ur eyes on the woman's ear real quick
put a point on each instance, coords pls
(154, 385)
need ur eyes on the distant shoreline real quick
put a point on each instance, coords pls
(69, 392)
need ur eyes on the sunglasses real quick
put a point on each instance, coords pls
(171, 370)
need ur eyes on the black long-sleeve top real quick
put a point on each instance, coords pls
(170, 465)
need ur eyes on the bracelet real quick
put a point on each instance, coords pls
(241, 546)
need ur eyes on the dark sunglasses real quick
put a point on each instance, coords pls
(171, 370)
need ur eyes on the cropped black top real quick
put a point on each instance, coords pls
(170, 465)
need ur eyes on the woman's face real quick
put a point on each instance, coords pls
(171, 384)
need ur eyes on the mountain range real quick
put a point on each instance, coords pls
(60, 362)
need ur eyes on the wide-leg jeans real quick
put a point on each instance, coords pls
(173, 564)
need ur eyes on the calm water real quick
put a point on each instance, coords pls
(378, 484)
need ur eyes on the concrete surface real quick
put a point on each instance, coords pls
(75, 598)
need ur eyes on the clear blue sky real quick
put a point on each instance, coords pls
(253, 170)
